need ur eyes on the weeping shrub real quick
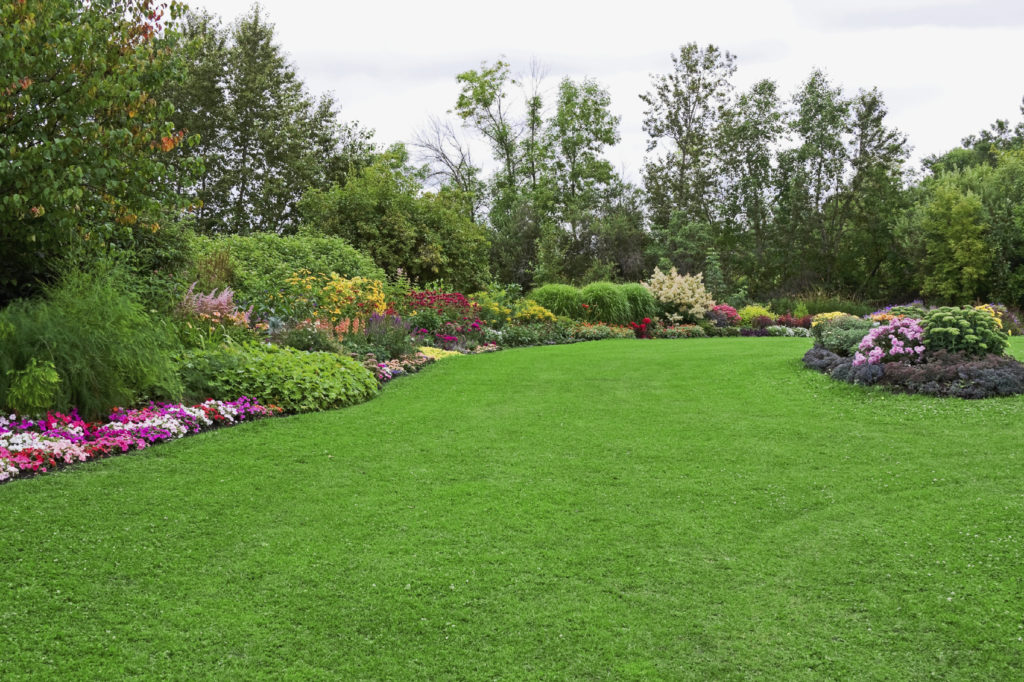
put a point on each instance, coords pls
(93, 331)
(561, 299)
(606, 302)
(642, 302)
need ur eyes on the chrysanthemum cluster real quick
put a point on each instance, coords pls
(900, 340)
(39, 445)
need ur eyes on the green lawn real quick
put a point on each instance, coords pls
(689, 509)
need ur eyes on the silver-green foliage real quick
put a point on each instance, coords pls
(963, 330)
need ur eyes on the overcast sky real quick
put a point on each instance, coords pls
(947, 68)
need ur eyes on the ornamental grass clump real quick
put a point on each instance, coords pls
(606, 302)
(92, 330)
(642, 303)
(561, 299)
(963, 330)
(898, 341)
(683, 297)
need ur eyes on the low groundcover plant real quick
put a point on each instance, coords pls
(37, 446)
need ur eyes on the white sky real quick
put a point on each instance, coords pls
(947, 68)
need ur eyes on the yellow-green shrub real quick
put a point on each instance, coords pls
(749, 312)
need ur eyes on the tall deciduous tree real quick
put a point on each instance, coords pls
(383, 212)
(84, 137)
(684, 110)
(265, 139)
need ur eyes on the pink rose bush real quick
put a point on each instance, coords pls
(899, 340)
(38, 445)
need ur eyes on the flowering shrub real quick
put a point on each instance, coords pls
(914, 309)
(900, 340)
(448, 307)
(641, 330)
(492, 311)
(58, 439)
(330, 299)
(963, 330)
(529, 312)
(1006, 320)
(788, 320)
(824, 317)
(387, 336)
(841, 334)
(214, 307)
(724, 316)
(683, 296)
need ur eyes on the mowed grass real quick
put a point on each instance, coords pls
(690, 509)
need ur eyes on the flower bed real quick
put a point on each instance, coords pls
(956, 352)
(37, 446)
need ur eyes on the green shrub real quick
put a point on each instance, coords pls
(749, 313)
(294, 380)
(33, 390)
(814, 304)
(561, 299)
(678, 331)
(841, 335)
(260, 263)
(309, 339)
(642, 302)
(530, 334)
(963, 330)
(915, 311)
(106, 349)
(606, 302)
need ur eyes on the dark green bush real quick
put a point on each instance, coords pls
(963, 330)
(532, 335)
(294, 380)
(309, 339)
(642, 302)
(606, 302)
(815, 304)
(561, 299)
(258, 264)
(106, 349)
(841, 335)
(909, 310)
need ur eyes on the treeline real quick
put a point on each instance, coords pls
(129, 127)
